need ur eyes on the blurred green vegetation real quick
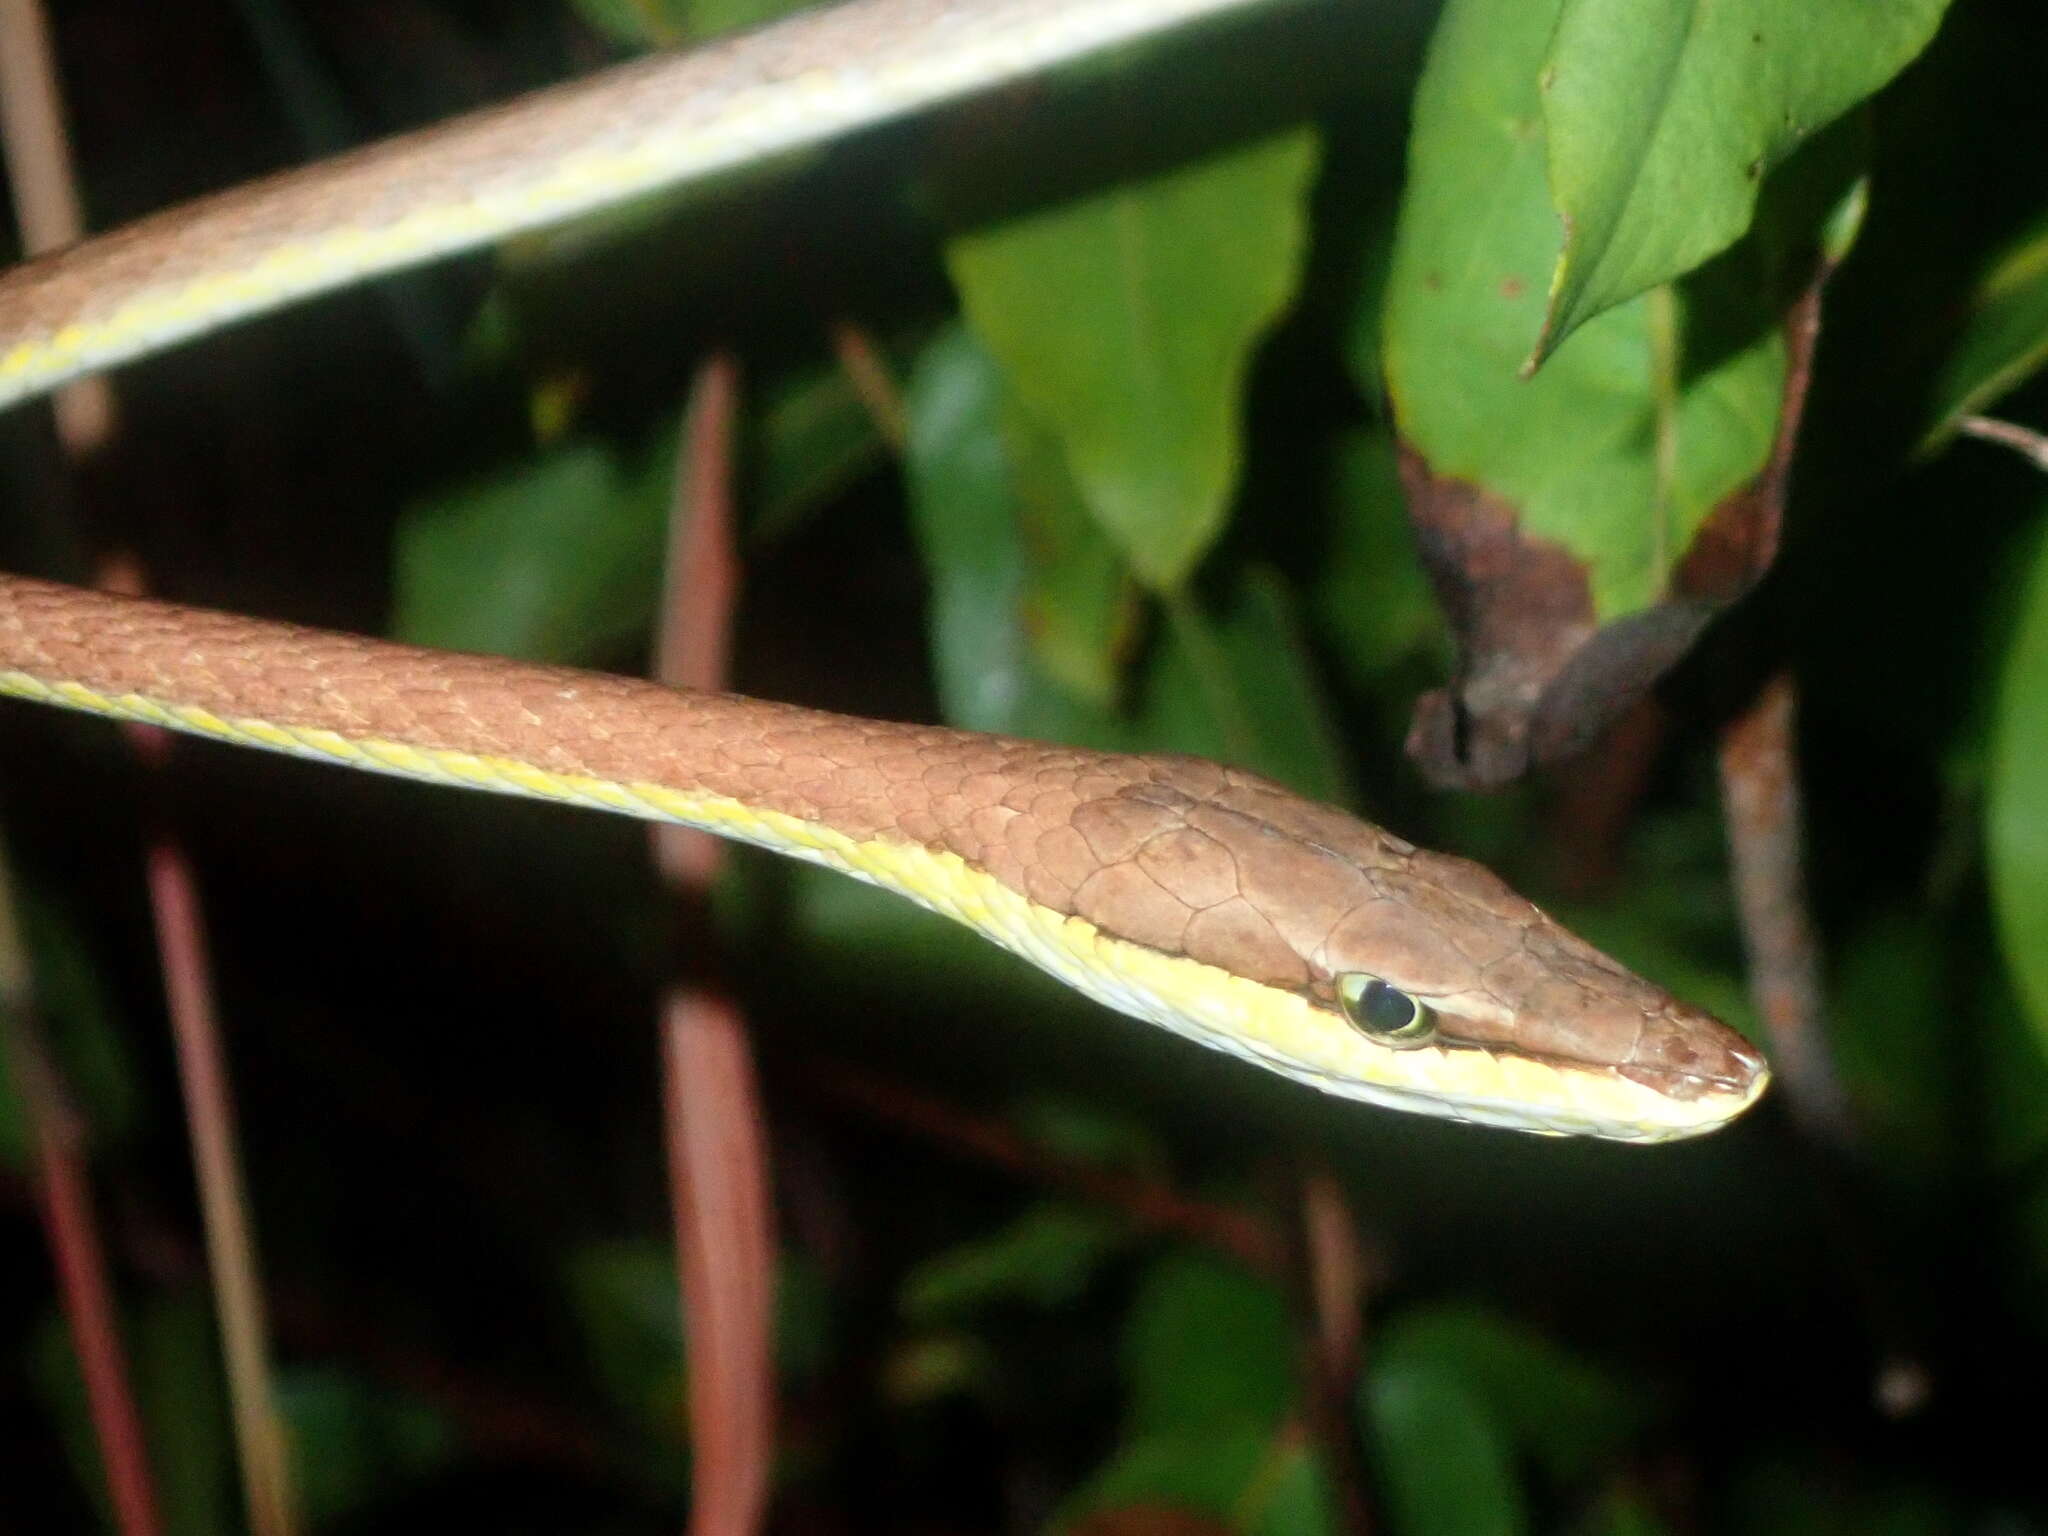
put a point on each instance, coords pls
(1154, 323)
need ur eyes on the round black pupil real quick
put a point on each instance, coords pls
(1385, 1011)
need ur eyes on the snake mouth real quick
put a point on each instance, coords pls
(1553, 1096)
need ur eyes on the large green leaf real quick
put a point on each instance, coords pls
(1662, 117)
(2016, 820)
(1032, 607)
(1125, 322)
(1621, 446)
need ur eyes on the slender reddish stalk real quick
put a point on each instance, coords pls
(45, 190)
(718, 1159)
(230, 1242)
(1760, 788)
(868, 371)
(1334, 1275)
(64, 1202)
(46, 206)
(1150, 1204)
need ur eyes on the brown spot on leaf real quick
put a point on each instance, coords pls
(1520, 607)
(1538, 682)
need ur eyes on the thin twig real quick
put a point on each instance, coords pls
(185, 959)
(718, 1160)
(64, 1201)
(46, 207)
(2030, 444)
(46, 204)
(1149, 1204)
(223, 1202)
(1760, 787)
(868, 371)
(1334, 1278)
(493, 1418)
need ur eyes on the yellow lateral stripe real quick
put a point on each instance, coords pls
(1274, 1028)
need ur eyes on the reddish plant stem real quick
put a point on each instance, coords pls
(1148, 1203)
(1334, 1272)
(718, 1159)
(868, 371)
(44, 183)
(184, 958)
(1760, 789)
(46, 207)
(223, 1202)
(63, 1198)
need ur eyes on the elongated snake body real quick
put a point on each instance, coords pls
(1202, 898)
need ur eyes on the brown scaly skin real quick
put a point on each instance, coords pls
(1174, 853)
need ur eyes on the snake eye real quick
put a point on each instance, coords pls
(1384, 1013)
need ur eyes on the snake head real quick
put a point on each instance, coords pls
(1336, 953)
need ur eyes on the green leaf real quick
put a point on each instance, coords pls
(2015, 1079)
(1045, 1258)
(1258, 1481)
(1649, 419)
(625, 1300)
(1457, 1397)
(1662, 117)
(1027, 600)
(2016, 815)
(665, 23)
(354, 1443)
(77, 1023)
(1371, 598)
(1903, 1076)
(1124, 323)
(1204, 1473)
(1621, 1513)
(556, 560)
(2004, 339)
(173, 1355)
(1569, 1417)
(1087, 1132)
(1446, 1468)
(1206, 1345)
(1242, 689)
(808, 438)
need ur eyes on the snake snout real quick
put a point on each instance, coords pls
(1689, 1053)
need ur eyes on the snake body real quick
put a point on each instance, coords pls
(1202, 898)
(1199, 897)
(656, 122)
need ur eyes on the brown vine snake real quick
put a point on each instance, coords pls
(1199, 897)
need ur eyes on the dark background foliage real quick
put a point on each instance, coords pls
(439, 1007)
